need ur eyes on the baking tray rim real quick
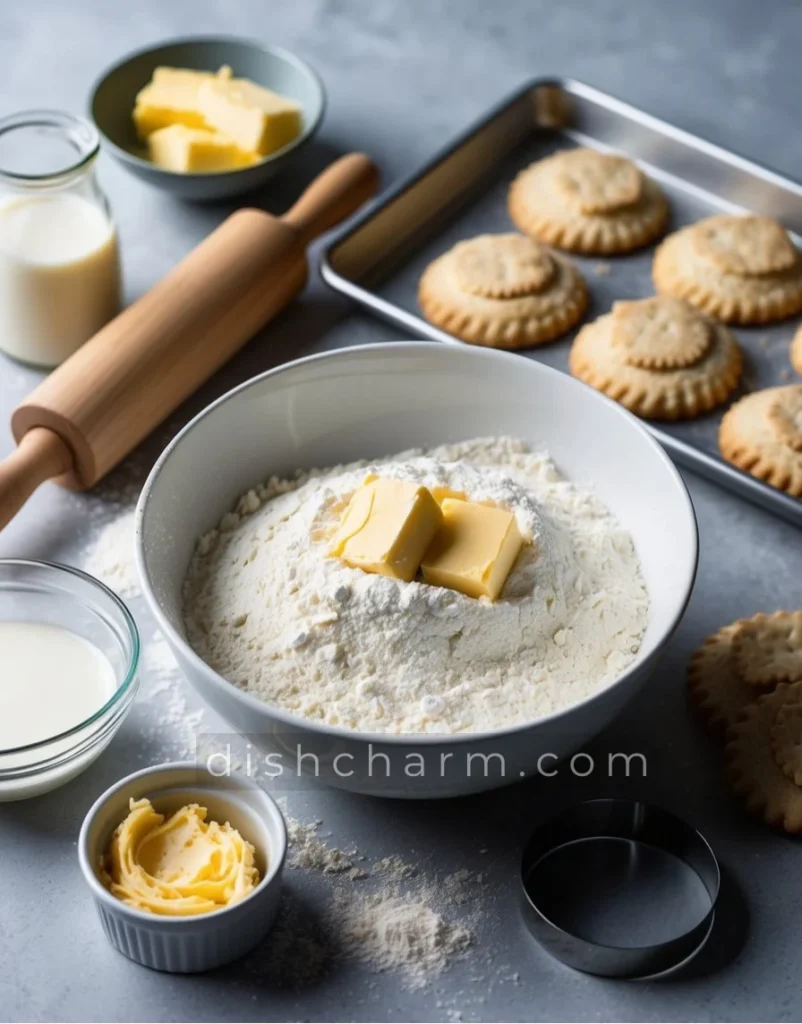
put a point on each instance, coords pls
(688, 456)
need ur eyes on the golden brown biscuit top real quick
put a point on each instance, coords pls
(768, 648)
(593, 182)
(502, 266)
(745, 246)
(662, 333)
(785, 416)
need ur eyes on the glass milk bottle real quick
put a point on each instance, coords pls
(59, 261)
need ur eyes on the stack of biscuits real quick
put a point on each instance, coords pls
(746, 683)
(668, 357)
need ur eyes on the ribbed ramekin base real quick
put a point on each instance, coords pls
(179, 951)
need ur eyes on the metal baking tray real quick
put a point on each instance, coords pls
(377, 259)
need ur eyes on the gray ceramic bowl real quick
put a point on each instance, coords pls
(113, 96)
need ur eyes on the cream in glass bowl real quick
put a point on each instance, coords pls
(69, 653)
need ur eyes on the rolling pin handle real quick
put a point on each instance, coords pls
(41, 455)
(334, 195)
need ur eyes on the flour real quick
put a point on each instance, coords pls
(395, 867)
(308, 851)
(110, 557)
(403, 933)
(110, 513)
(171, 727)
(398, 934)
(269, 610)
(404, 921)
(174, 725)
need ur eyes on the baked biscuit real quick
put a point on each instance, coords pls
(762, 434)
(659, 357)
(768, 648)
(796, 351)
(741, 270)
(715, 687)
(588, 202)
(504, 291)
(786, 740)
(752, 768)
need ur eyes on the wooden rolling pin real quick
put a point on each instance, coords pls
(99, 404)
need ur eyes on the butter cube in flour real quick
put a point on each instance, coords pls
(260, 121)
(474, 550)
(387, 527)
(171, 97)
(441, 493)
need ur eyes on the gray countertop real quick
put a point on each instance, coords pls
(402, 78)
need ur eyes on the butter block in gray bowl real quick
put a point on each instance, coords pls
(203, 941)
(114, 95)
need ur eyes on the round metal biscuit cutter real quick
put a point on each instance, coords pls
(619, 888)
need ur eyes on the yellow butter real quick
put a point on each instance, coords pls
(474, 550)
(180, 865)
(171, 97)
(387, 527)
(196, 150)
(441, 493)
(259, 120)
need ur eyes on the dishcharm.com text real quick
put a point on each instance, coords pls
(379, 765)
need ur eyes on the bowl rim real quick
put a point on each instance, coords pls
(236, 781)
(121, 690)
(377, 349)
(126, 156)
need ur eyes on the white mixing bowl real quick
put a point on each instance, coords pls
(376, 400)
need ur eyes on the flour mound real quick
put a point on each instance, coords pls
(268, 609)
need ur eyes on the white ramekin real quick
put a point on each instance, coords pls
(202, 941)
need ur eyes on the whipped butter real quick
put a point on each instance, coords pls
(179, 865)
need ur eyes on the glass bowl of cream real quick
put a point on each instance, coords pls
(69, 653)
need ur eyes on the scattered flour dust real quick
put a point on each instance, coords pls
(310, 852)
(398, 933)
(399, 919)
(110, 556)
(109, 551)
(174, 727)
(267, 608)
